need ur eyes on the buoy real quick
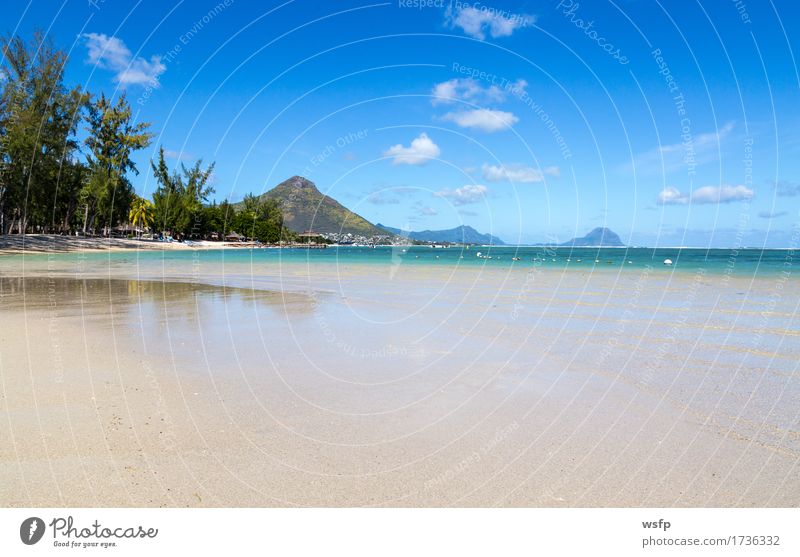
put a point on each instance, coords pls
(668, 262)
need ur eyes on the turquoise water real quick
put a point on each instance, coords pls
(742, 262)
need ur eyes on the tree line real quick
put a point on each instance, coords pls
(51, 182)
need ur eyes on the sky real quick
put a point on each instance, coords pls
(671, 123)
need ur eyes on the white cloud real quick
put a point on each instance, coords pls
(470, 90)
(421, 150)
(471, 193)
(518, 173)
(705, 195)
(702, 148)
(110, 53)
(671, 196)
(721, 194)
(482, 119)
(476, 22)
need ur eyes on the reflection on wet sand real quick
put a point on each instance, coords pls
(31, 293)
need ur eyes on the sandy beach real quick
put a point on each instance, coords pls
(134, 382)
(15, 244)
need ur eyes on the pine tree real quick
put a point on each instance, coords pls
(113, 137)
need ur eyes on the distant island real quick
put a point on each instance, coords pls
(458, 235)
(597, 238)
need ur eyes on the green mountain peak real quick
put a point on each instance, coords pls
(306, 209)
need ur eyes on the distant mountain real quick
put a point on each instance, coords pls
(306, 209)
(459, 235)
(599, 237)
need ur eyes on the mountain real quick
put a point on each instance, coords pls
(459, 235)
(598, 237)
(306, 209)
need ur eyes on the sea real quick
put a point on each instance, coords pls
(742, 262)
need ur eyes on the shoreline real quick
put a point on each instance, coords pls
(16, 244)
(34, 244)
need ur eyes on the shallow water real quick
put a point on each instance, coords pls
(743, 263)
(632, 385)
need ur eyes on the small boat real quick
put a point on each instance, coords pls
(668, 262)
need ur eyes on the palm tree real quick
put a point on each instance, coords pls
(142, 212)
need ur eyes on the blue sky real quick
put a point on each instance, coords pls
(529, 120)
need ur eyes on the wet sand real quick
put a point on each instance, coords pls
(343, 386)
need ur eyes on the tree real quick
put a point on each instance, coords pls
(261, 219)
(251, 203)
(38, 120)
(113, 138)
(217, 218)
(142, 212)
(180, 196)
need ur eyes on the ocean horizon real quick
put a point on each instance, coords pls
(715, 261)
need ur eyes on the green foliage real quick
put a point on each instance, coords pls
(113, 137)
(44, 187)
(38, 120)
(260, 219)
(217, 218)
(180, 196)
(142, 212)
